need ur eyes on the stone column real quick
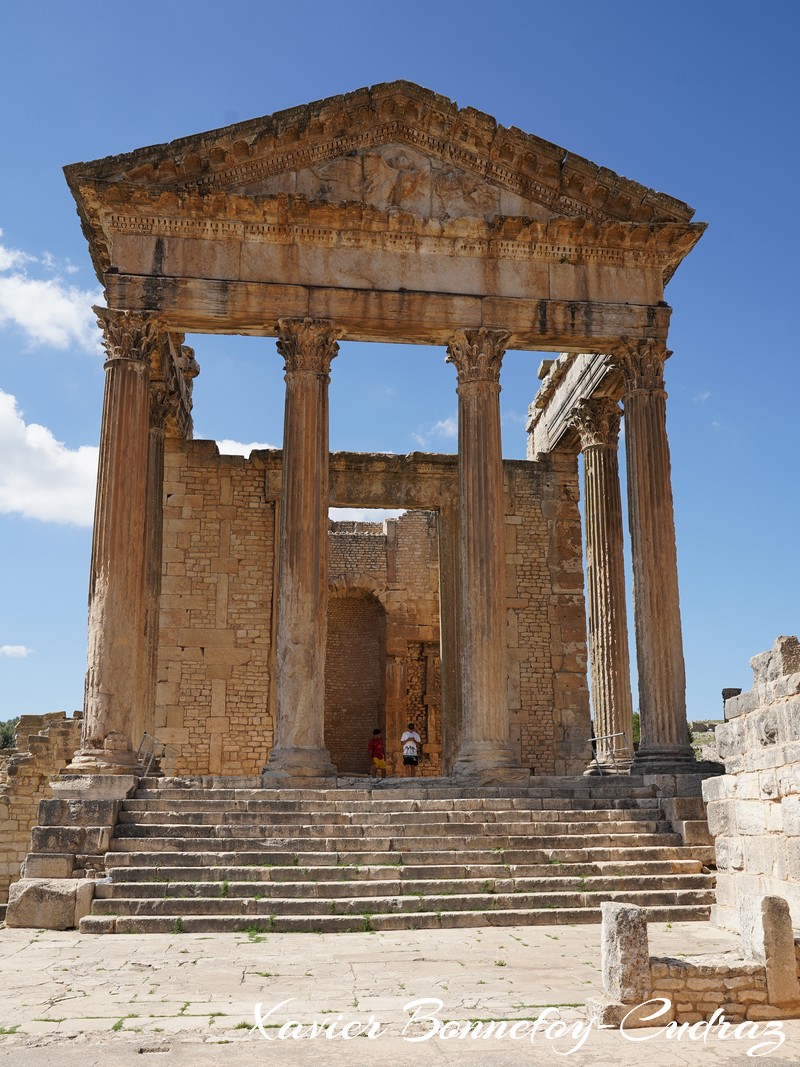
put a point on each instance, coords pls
(664, 745)
(597, 421)
(307, 346)
(484, 744)
(117, 652)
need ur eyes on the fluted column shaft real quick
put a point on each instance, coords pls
(478, 355)
(598, 422)
(659, 644)
(307, 346)
(116, 666)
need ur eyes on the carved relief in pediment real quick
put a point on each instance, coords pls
(400, 177)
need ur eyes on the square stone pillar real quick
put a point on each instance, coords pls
(308, 346)
(768, 938)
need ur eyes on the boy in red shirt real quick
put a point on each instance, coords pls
(377, 753)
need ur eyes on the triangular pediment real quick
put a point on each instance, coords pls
(396, 146)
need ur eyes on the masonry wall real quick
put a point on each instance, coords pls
(754, 808)
(215, 694)
(45, 745)
(396, 564)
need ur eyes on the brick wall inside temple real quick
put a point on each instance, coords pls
(216, 678)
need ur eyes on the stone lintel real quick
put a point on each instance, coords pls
(202, 305)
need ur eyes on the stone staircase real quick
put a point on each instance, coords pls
(400, 855)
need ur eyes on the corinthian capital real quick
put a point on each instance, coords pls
(641, 363)
(597, 421)
(477, 354)
(130, 335)
(307, 345)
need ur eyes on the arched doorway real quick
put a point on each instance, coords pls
(355, 678)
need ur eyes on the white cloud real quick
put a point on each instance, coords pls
(15, 651)
(40, 478)
(236, 448)
(701, 398)
(444, 429)
(47, 310)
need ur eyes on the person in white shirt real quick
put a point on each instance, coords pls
(411, 742)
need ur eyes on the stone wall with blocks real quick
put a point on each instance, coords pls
(642, 990)
(215, 694)
(754, 808)
(45, 744)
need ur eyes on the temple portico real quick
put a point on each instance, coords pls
(388, 215)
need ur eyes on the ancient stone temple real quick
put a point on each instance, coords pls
(387, 215)
(232, 620)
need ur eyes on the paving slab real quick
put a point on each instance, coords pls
(180, 1000)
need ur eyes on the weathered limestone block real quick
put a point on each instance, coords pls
(767, 937)
(625, 956)
(782, 659)
(49, 903)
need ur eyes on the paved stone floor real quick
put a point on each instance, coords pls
(189, 999)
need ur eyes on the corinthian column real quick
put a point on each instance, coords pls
(664, 742)
(307, 346)
(117, 653)
(484, 746)
(597, 421)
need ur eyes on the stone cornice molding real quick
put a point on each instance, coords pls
(597, 420)
(129, 335)
(642, 364)
(478, 355)
(295, 220)
(308, 346)
(398, 112)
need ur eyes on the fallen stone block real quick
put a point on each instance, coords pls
(48, 903)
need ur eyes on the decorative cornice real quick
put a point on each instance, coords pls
(597, 420)
(397, 112)
(308, 346)
(642, 364)
(477, 354)
(294, 220)
(129, 335)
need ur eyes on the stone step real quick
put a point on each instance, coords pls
(322, 829)
(228, 889)
(390, 903)
(265, 857)
(371, 872)
(389, 804)
(439, 920)
(385, 818)
(554, 787)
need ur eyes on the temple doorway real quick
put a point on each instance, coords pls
(355, 674)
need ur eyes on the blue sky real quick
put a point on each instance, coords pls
(699, 100)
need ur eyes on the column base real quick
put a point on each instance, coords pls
(298, 765)
(677, 760)
(113, 756)
(623, 767)
(489, 763)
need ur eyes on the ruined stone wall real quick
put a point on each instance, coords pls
(216, 626)
(45, 745)
(215, 695)
(547, 655)
(754, 808)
